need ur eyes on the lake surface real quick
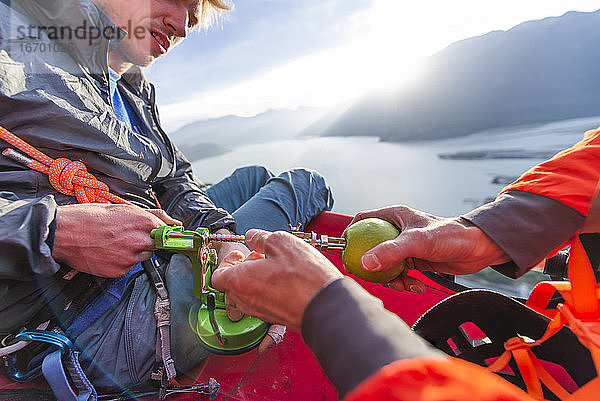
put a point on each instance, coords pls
(365, 173)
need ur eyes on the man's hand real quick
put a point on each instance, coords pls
(277, 288)
(276, 332)
(230, 253)
(428, 242)
(105, 240)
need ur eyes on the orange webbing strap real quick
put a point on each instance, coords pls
(581, 312)
(66, 176)
(532, 371)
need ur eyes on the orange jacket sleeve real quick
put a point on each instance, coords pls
(570, 177)
(435, 379)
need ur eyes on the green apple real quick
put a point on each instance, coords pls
(363, 236)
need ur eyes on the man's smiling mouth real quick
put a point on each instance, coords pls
(161, 39)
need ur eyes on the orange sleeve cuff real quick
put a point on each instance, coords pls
(436, 379)
(570, 177)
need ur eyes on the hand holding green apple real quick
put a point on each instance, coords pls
(363, 236)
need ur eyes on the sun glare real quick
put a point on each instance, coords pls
(387, 46)
(389, 40)
(394, 35)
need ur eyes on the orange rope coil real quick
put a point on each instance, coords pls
(66, 176)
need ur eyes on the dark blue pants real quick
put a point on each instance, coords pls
(259, 199)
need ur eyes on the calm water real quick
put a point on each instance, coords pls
(365, 173)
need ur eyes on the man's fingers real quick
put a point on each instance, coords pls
(412, 284)
(161, 214)
(405, 282)
(233, 313)
(227, 276)
(231, 267)
(221, 277)
(385, 214)
(403, 217)
(266, 344)
(268, 243)
(396, 284)
(274, 336)
(254, 256)
(256, 238)
(233, 258)
(384, 256)
(390, 254)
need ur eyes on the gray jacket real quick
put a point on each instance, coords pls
(54, 94)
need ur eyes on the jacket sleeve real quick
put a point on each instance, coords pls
(527, 226)
(533, 217)
(428, 379)
(182, 198)
(352, 335)
(25, 230)
(369, 353)
(570, 177)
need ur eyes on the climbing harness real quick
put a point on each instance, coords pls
(580, 311)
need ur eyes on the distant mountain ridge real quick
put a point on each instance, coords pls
(231, 131)
(536, 72)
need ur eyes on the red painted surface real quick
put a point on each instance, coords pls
(289, 371)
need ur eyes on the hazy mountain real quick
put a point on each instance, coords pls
(231, 131)
(538, 71)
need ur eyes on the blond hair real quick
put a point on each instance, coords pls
(210, 11)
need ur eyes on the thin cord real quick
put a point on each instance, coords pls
(243, 379)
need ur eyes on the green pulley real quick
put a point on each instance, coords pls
(208, 318)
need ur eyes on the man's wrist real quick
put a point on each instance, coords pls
(51, 232)
(484, 243)
(57, 235)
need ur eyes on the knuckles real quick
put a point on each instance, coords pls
(275, 241)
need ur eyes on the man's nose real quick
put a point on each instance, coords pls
(176, 21)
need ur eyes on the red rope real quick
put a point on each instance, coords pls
(66, 176)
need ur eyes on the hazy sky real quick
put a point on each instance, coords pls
(288, 53)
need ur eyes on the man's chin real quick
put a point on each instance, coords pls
(145, 59)
(142, 60)
(146, 62)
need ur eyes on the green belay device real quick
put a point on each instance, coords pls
(208, 318)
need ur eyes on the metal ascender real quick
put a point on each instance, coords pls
(208, 318)
(319, 241)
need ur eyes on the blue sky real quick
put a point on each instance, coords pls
(256, 37)
(269, 54)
